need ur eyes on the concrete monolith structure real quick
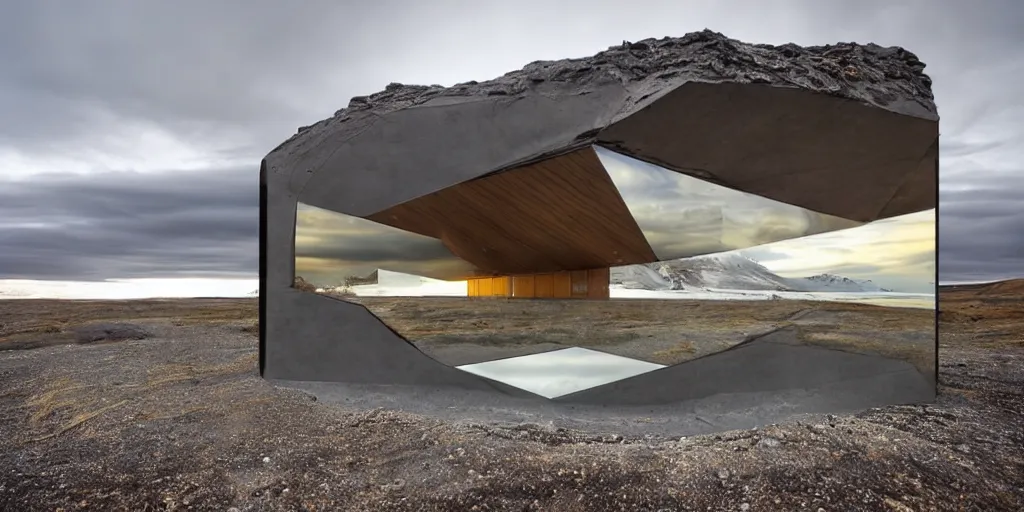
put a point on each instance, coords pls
(845, 130)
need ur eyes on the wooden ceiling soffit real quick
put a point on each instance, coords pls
(563, 213)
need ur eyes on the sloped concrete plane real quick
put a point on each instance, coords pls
(391, 230)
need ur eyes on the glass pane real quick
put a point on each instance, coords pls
(683, 216)
(346, 255)
(869, 290)
(865, 290)
(561, 372)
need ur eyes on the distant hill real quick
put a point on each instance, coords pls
(998, 288)
(728, 272)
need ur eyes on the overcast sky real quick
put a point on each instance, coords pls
(896, 253)
(132, 131)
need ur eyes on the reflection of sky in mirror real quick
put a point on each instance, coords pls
(560, 372)
(330, 247)
(682, 216)
(896, 253)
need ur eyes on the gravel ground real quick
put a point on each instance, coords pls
(182, 421)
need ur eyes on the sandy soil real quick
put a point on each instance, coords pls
(182, 421)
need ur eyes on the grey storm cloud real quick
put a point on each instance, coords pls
(193, 67)
(128, 225)
(981, 230)
(234, 78)
(374, 248)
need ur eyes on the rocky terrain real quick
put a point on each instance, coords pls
(180, 420)
(889, 77)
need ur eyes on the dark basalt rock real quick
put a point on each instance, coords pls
(94, 333)
(887, 77)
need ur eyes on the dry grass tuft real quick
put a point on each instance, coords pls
(171, 416)
(79, 419)
(55, 398)
(674, 355)
(61, 396)
(179, 372)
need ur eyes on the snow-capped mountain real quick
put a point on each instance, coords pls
(728, 272)
(834, 283)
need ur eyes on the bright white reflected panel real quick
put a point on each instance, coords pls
(397, 284)
(682, 216)
(560, 372)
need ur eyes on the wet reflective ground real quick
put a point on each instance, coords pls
(463, 331)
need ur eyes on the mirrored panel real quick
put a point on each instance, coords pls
(683, 216)
(867, 290)
(561, 372)
(844, 294)
(343, 255)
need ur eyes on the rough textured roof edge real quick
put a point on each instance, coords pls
(891, 78)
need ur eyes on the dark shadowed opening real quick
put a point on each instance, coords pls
(263, 266)
(938, 156)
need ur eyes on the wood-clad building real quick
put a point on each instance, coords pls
(579, 284)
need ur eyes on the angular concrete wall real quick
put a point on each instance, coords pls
(810, 125)
(310, 337)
